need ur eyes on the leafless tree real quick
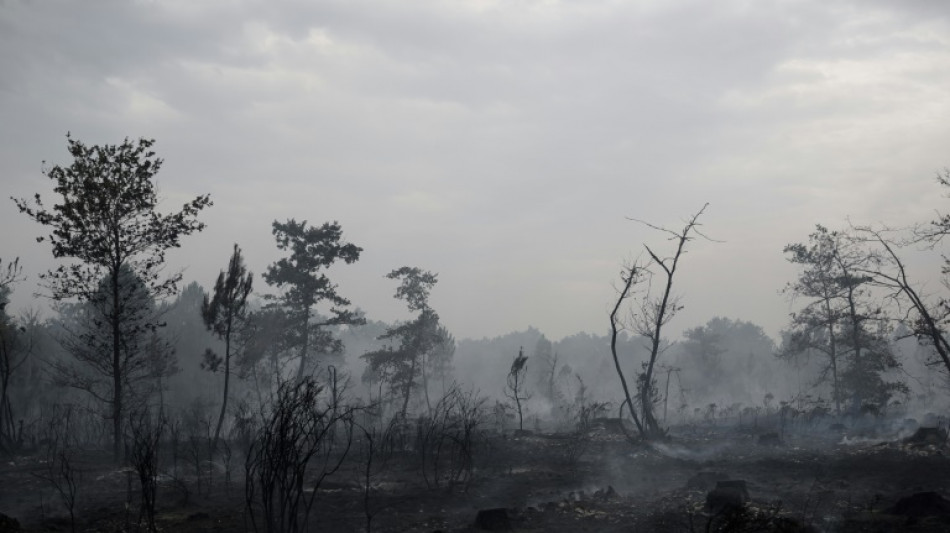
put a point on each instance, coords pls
(582, 413)
(631, 276)
(295, 443)
(14, 351)
(374, 447)
(927, 315)
(146, 431)
(200, 443)
(62, 471)
(447, 438)
(515, 385)
(652, 315)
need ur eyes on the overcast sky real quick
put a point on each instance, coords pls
(501, 144)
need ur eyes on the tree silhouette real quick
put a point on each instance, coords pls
(654, 313)
(12, 354)
(224, 313)
(515, 384)
(305, 284)
(107, 221)
(418, 338)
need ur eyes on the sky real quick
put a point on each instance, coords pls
(505, 145)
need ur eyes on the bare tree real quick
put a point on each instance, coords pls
(653, 314)
(928, 316)
(62, 470)
(13, 353)
(375, 449)
(146, 432)
(447, 439)
(631, 276)
(296, 442)
(515, 385)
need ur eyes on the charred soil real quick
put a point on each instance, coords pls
(814, 481)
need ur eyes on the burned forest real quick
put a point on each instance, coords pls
(453, 266)
(273, 403)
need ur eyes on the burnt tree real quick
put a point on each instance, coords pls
(652, 315)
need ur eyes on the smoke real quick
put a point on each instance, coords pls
(682, 452)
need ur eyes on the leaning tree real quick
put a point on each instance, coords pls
(928, 314)
(107, 222)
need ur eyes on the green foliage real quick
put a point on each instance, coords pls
(89, 338)
(226, 309)
(108, 218)
(301, 274)
(107, 221)
(839, 319)
(414, 287)
(399, 366)
(439, 362)
(303, 283)
(264, 341)
(223, 314)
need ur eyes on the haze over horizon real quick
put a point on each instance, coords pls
(500, 144)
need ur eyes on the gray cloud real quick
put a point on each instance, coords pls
(499, 143)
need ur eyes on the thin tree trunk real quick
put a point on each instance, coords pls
(518, 403)
(301, 370)
(116, 367)
(408, 390)
(855, 332)
(613, 348)
(227, 378)
(425, 384)
(833, 354)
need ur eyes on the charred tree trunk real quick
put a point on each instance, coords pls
(629, 280)
(116, 324)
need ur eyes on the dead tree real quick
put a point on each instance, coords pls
(61, 469)
(630, 276)
(295, 443)
(13, 353)
(146, 432)
(447, 438)
(375, 448)
(888, 271)
(654, 313)
(515, 387)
